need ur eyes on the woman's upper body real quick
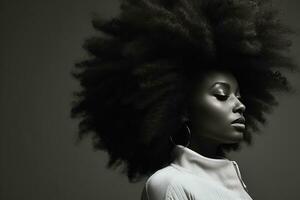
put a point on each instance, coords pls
(192, 176)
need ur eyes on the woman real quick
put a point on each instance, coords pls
(198, 164)
(166, 89)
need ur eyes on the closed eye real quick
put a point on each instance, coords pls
(221, 97)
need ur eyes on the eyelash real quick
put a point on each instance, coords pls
(224, 97)
(221, 97)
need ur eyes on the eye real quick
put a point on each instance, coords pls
(221, 97)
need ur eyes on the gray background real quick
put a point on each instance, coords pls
(40, 41)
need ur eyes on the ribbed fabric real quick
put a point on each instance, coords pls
(192, 176)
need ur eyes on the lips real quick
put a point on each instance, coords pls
(239, 124)
(240, 120)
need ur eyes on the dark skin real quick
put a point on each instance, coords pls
(217, 102)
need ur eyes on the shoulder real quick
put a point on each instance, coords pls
(164, 184)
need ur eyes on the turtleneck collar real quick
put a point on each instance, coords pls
(196, 163)
(224, 171)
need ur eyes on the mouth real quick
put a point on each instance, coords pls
(240, 120)
(239, 126)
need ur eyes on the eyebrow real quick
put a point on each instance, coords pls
(222, 83)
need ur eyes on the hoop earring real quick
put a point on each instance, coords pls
(190, 135)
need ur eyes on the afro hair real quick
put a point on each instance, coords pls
(136, 83)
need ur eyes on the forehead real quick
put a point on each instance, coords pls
(217, 77)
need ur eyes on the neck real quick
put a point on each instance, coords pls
(205, 147)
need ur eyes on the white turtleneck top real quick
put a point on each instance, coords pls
(192, 176)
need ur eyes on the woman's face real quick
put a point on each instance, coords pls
(215, 106)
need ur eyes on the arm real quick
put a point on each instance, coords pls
(159, 192)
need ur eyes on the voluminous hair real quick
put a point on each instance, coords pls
(136, 82)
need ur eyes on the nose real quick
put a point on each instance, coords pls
(239, 106)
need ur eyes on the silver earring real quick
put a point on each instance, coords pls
(189, 133)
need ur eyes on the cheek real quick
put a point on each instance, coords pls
(214, 114)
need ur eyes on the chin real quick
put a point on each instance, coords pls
(235, 137)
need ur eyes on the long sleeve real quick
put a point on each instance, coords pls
(158, 192)
(175, 192)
